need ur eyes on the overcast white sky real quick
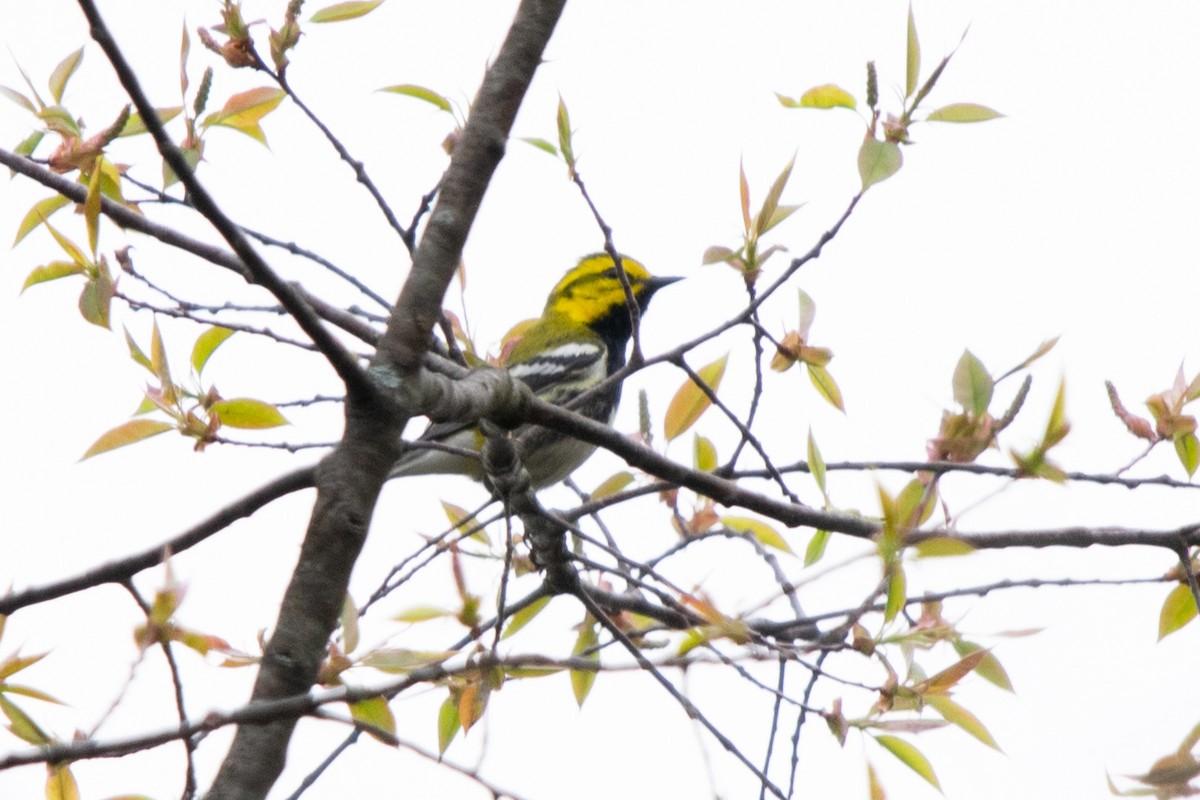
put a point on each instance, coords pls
(1074, 215)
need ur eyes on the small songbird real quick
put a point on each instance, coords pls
(579, 341)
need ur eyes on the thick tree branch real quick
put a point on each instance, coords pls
(350, 479)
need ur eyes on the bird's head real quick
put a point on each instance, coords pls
(591, 293)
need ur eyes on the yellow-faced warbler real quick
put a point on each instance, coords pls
(579, 341)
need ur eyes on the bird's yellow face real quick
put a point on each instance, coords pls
(592, 290)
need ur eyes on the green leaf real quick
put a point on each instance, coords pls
(562, 120)
(942, 546)
(244, 110)
(816, 464)
(339, 12)
(62, 73)
(897, 593)
(690, 401)
(21, 724)
(963, 112)
(826, 385)
(419, 93)
(540, 144)
(1188, 450)
(91, 207)
(14, 664)
(585, 643)
(400, 661)
(136, 125)
(41, 211)
(422, 614)
(1177, 610)
(760, 530)
(133, 431)
(375, 717)
(27, 145)
(59, 120)
(51, 272)
(60, 783)
(95, 300)
(972, 384)
(912, 57)
(825, 96)
(910, 756)
(522, 618)
(704, 454)
(18, 98)
(448, 724)
(245, 413)
(68, 247)
(206, 344)
(816, 548)
(612, 485)
(349, 623)
(768, 216)
(878, 161)
(954, 713)
(136, 353)
(989, 668)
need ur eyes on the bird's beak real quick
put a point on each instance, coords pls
(654, 284)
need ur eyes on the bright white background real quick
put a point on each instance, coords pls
(1074, 215)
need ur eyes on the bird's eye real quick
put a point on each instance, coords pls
(611, 272)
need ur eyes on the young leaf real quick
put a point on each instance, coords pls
(878, 161)
(612, 485)
(41, 211)
(206, 344)
(826, 385)
(954, 713)
(910, 756)
(897, 593)
(989, 667)
(419, 93)
(60, 783)
(128, 433)
(760, 530)
(563, 123)
(242, 412)
(540, 144)
(1177, 610)
(913, 57)
(375, 717)
(972, 384)
(243, 111)
(51, 272)
(941, 546)
(582, 679)
(136, 125)
(21, 723)
(62, 73)
(690, 401)
(826, 96)
(704, 454)
(343, 11)
(91, 207)
(18, 98)
(96, 299)
(522, 618)
(1188, 450)
(816, 464)
(448, 723)
(816, 548)
(963, 112)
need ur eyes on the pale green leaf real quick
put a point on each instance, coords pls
(989, 668)
(704, 454)
(15, 663)
(760, 530)
(91, 207)
(954, 713)
(68, 247)
(375, 717)
(399, 660)
(1178, 610)
(897, 593)
(133, 431)
(96, 299)
(612, 485)
(1188, 450)
(243, 412)
(60, 783)
(540, 144)
(51, 272)
(339, 12)
(41, 211)
(825, 96)
(690, 401)
(244, 110)
(349, 623)
(964, 112)
(422, 614)
(816, 547)
(910, 756)
(21, 724)
(912, 57)
(136, 125)
(585, 643)
(419, 93)
(59, 120)
(18, 98)
(448, 724)
(522, 618)
(973, 384)
(878, 161)
(62, 73)
(816, 464)
(826, 385)
(206, 344)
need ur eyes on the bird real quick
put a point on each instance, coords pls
(579, 340)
